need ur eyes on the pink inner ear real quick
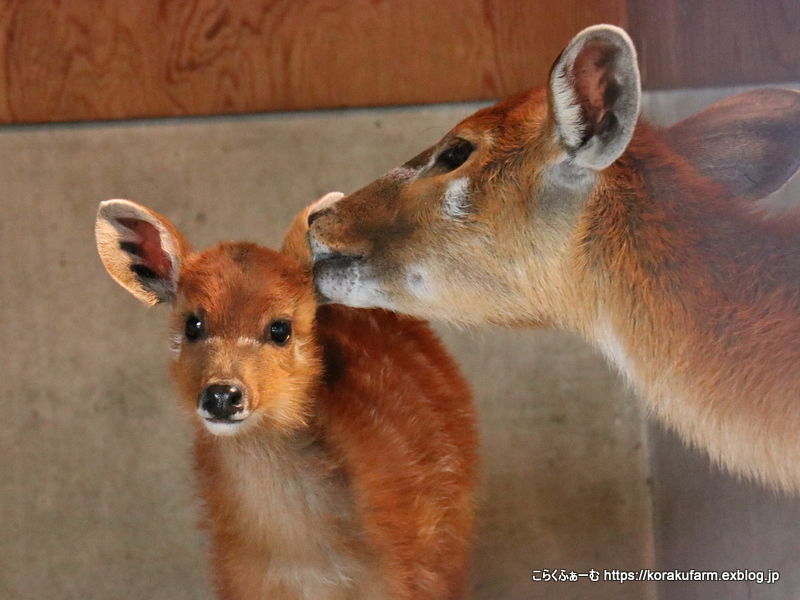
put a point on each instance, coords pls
(591, 73)
(149, 242)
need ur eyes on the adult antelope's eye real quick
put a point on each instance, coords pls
(280, 332)
(193, 328)
(455, 156)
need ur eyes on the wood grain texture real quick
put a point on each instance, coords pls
(92, 59)
(693, 43)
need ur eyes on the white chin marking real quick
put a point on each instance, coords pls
(352, 285)
(222, 427)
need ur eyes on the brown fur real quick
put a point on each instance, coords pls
(353, 476)
(690, 293)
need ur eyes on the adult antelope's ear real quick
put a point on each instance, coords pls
(750, 143)
(594, 95)
(141, 250)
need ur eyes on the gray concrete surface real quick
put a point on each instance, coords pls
(96, 494)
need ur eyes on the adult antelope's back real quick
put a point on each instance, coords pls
(335, 450)
(558, 206)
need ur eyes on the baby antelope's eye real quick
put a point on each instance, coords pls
(280, 332)
(455, 156)
(193, 328)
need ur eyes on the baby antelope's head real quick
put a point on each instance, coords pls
(242, 324)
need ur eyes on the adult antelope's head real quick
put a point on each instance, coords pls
(484, 225)
(242, 318)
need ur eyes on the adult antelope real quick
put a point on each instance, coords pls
(559, 206)
(335, 449)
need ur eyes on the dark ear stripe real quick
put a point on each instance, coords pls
(144, 272)
(131, 248)
(163, 291)
(612, 94)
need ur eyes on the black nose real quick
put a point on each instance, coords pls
(222, 401)
(316, 215)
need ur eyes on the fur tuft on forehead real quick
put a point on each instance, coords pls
(246, 262)
(246, 281)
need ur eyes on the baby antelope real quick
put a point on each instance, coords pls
(335, 448)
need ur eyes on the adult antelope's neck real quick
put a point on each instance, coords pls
(698, 299)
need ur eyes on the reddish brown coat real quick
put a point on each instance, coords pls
(558, 206)
(352, 475)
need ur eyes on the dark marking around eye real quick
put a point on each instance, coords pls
(144, 272)
(420, 160)
(455, 156)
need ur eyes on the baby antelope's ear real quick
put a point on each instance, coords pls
(141, 250)
(295, 242)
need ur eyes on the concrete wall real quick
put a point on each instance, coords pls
(96, 496)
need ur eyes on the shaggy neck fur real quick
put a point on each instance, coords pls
(698, 303)
(281, 496)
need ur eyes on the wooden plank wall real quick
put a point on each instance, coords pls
(704, 43)
(108, 59)
(74, 60)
